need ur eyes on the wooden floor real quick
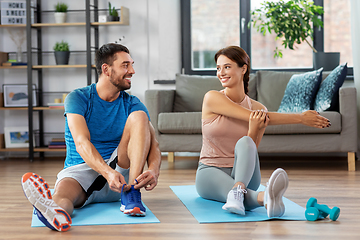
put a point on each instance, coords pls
(325, 178)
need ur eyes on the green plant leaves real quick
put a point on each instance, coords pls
(291, 20)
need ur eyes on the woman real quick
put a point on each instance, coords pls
(232, 127)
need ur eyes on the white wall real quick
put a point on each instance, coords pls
(355, 38)
(153, 37)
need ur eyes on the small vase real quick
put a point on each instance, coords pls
(60, 17)
(113, 19)
(19, 55)
(62, 57)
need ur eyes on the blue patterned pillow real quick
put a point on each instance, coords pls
(300, 92)
(327, 98)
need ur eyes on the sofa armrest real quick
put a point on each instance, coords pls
(348, 111)
(158, 101)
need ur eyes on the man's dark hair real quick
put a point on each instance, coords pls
(106, 54)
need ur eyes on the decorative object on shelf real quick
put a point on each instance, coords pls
(16, 95)
(60, 12)
(293, 21)
(4, 56)
(14, 12)
(57, 143)
(113, 14)
(62, 53)
(16, 137)
(18, 36)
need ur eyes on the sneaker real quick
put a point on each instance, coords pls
(38, 193)
(131, 202)
(235, 201)
(275, 189)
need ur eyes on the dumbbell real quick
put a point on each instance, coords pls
(323, 210)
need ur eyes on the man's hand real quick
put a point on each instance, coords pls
(116, 181)
(147, 179)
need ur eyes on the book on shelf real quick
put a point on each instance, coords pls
(57, 143)
(57, 146)
(10, 64)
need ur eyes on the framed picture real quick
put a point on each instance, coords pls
(16, 95)
(16, 137)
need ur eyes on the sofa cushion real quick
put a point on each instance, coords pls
(301, 91)
(334, 117)
(190, 91)
(183, 123)
(327, 98)
(271, 86)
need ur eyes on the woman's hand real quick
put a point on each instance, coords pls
(258, 121)
(314, 119)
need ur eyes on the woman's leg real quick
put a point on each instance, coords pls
(213, 183)
(246, 170)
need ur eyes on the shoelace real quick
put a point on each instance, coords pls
(134, 196)
(238, 192)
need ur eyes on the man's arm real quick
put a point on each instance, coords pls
(88, 152)
(149, 178)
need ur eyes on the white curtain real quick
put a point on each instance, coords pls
(355, 39)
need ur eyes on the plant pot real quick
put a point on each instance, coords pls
(113, 19)
(60, 17)
(62, 58)
(327, 60)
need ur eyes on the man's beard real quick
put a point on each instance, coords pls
(122, 85)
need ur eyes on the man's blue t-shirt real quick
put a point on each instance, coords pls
(105, 120)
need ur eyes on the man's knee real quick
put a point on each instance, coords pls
(138, 117)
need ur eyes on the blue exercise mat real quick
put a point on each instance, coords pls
(207, 211)
(102, 214)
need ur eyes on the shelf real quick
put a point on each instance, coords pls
(13, 67)
(34, 108)
(58, 24)
(61, 66)
(12, 25)
(37, 149)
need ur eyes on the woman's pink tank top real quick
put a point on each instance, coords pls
(220, 134)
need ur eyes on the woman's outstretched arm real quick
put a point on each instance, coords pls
(216, 103)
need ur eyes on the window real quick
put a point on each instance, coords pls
(208, 25)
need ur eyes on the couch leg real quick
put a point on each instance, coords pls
(351, 161)
(171, 157)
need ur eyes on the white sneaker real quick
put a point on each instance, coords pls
(276, 187)
(235, 201)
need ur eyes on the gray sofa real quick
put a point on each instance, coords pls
(176, 116)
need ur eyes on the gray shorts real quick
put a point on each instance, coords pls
(95, 185)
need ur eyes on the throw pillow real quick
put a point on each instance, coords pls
(300, 92)
(327, 98)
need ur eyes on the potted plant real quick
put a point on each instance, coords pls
(291, 20)
(60, 12)
(113, 14)
(62, 53)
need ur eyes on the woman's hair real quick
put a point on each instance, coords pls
(106, 54)
(238, 55)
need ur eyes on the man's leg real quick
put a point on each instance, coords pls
(133, 152)
(37, 191)
(134, 146)
(69, 194)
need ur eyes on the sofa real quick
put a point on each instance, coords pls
(176, 117)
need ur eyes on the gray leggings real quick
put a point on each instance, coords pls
(214, 183)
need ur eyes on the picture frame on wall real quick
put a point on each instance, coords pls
(16, 137)
(16, 95)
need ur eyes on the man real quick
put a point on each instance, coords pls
(109, 139)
